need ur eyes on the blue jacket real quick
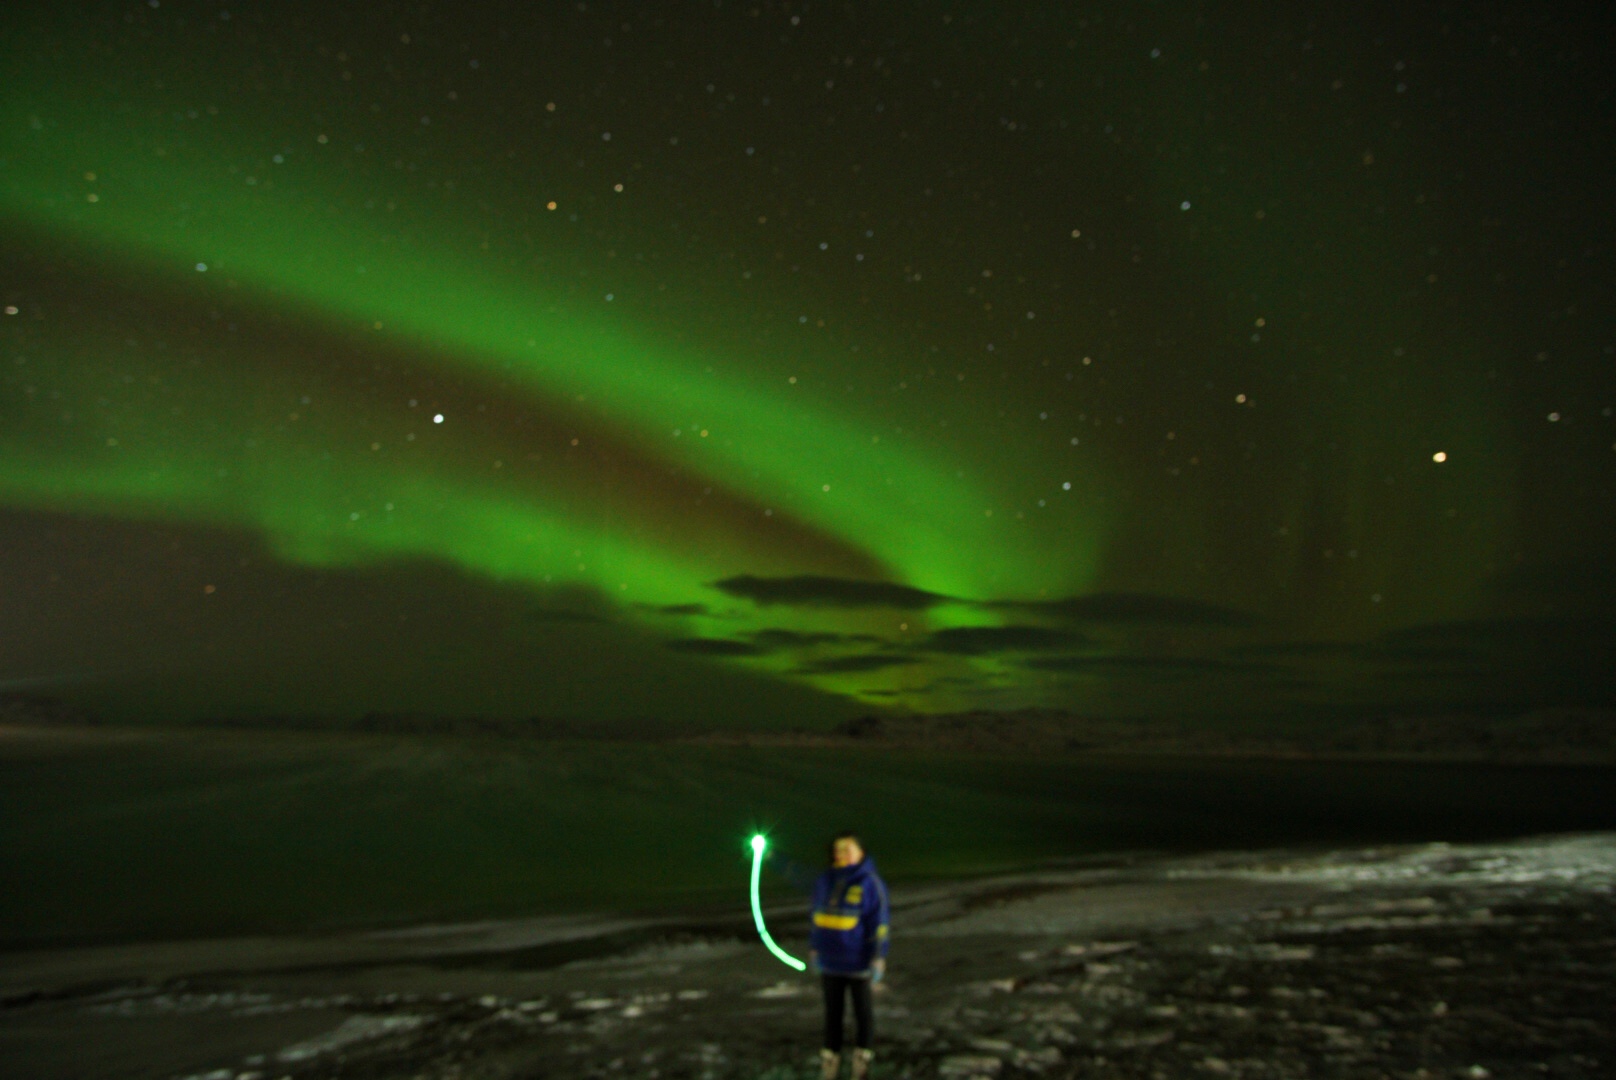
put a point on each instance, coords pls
(849, 919)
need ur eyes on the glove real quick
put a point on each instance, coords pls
(813, 964)
(878, 970)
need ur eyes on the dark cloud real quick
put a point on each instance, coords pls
(1492, 634)
(676, 609)
(765, 642)
(841, 665)
(406, 637)
(1445, 655)
(978, 640)
(813, 590)
(1380, 651)
(776, 638)
(1293, 650)
(570, 604)
(1574, 584)
(1156, 665)
(1119, 607)
(1472, 643)
(1520, 659)
(561, 615)
(1441, 676)
(713, 647)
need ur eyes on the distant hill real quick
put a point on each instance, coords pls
(1569, 736)
(1557, 736)
(34, 711)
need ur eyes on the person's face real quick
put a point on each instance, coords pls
(846, 852)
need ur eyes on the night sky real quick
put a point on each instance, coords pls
(784, 362)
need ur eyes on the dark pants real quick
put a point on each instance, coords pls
(836, 989)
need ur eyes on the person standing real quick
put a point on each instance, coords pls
(847, 947)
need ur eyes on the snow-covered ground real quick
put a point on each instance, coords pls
(1439, 960)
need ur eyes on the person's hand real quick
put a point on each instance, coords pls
(813, 963)
(878, 969)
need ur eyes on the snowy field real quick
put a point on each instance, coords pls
(1417, 961)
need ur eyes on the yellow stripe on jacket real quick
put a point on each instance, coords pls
(835, 922)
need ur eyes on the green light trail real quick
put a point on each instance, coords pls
(758, 844)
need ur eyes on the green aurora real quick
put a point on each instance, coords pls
(754, 436)
(408, 292)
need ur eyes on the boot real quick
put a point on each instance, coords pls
(830, 1064)
(860, 1069)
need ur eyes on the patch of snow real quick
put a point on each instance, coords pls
(355, 1029)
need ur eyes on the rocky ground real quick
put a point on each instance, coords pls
(1434, 961)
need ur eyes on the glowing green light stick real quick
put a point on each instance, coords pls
(758, 844)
